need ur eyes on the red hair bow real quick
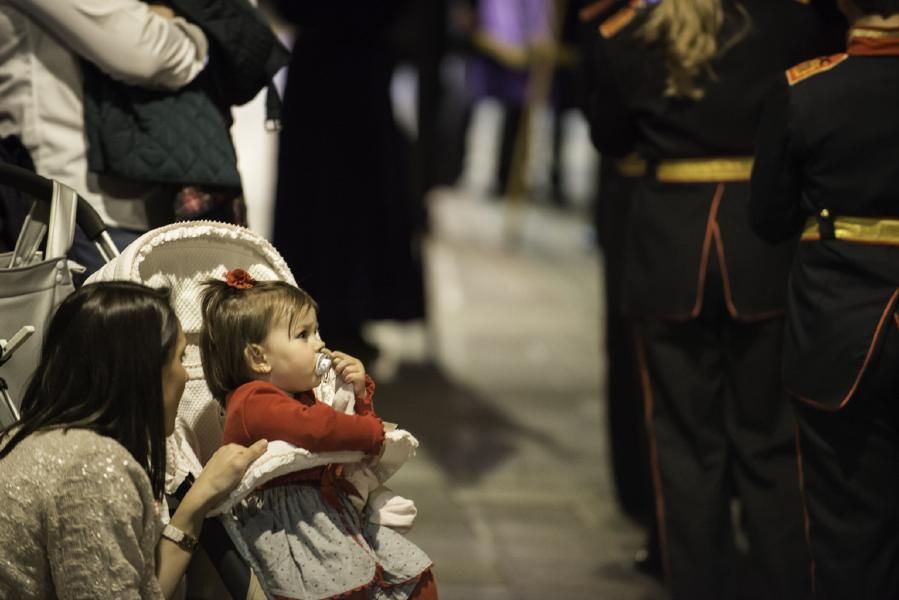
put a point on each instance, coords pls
(239, 279)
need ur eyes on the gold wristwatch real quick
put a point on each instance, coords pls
(183, 540)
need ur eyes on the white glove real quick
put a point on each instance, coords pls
(391, 510)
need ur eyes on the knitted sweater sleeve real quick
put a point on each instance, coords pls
(266, 412)
(365, 401)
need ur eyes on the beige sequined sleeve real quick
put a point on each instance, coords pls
(102, 527)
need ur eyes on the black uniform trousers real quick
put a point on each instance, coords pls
(720, 425)
(630, 467)
(850, 469)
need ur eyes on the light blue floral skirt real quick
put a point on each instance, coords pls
(302, 547)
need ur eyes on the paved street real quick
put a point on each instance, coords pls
(502, 388)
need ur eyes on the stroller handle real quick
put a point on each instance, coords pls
(41, 189)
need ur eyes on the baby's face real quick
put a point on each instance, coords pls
(291, 348)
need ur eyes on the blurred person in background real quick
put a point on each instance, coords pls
(343, 215)
(682, 83)
(506, 35)
(42, 99)
(521, 68)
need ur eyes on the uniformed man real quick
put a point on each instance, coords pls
(827, 169)
(683, 84)
(624, 406)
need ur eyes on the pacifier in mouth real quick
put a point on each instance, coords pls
(322, 364)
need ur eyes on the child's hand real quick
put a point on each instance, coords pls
(351, 370)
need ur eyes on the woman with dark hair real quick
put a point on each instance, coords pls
(84, 467)
(682, 82)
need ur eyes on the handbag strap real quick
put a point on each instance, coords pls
(55, 219)
(63, 212)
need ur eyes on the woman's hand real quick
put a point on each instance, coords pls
(221, 474)
(162, 10)
(224, 471)
(351, 370)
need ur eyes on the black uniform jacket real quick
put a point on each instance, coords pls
(830, 142)
(675, 227)
(618, 173)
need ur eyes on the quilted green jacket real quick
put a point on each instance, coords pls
(182, 137)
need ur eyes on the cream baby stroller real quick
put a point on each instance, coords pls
(181, 257)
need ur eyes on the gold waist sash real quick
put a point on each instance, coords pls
(631, 166)
(699, 170)
(869, 230)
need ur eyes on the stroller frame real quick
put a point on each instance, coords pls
(7, 348)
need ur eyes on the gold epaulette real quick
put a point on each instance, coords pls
(806, 69)
(594, 9)
(620, 19)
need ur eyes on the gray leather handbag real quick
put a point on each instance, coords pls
(37, 275)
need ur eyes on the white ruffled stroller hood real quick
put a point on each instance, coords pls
(181, 257)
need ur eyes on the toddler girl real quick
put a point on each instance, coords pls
(260, 346)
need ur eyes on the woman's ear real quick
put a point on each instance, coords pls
(255, 357)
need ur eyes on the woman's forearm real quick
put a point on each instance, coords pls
(171, 559)
(221, 474)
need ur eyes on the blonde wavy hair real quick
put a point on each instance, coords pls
(689, 30)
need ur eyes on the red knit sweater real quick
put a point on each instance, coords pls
(258, 410)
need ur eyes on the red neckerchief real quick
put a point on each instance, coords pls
(873, 41)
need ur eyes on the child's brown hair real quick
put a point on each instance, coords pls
(235, 317)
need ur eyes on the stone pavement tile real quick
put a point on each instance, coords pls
(452, 591)
(512, 479)
(555, 558)
(554, 454)
(505, 316)
(598, 591)
(550, 534)
(495, 540)
(461, 549)
(550, 346)
(461, 430)
(550, 360)
(538, 230)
